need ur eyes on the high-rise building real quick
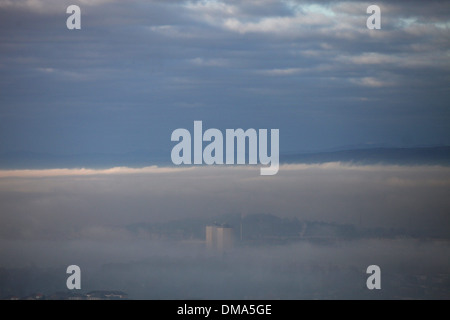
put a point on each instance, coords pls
(211, 237)
(219, 238)
(224, 238)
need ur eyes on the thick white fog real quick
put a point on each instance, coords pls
(54, 218)
(92, 204)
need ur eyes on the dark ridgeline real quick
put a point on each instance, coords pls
(263, 229)
(401, 156)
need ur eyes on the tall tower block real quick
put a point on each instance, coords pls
(219, 238)
(224, 238)
(211, 237)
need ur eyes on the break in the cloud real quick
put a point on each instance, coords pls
(137, 70)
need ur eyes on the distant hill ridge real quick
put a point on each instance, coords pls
(379, 155)
(401, 156)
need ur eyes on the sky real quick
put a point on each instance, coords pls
(137, 70)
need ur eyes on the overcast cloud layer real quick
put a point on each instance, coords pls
(137, 70)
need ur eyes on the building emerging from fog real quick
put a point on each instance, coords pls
(219, 237)
(211, 237)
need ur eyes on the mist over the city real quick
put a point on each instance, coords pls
(308, 232)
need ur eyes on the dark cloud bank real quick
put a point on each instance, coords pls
(137, 70)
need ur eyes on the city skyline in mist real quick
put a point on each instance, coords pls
(130, 229)
(77, 203)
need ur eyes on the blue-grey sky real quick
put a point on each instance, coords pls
(137, 70)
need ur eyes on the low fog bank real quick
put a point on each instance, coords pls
(91, 204)
(309, 232)
(410, 268)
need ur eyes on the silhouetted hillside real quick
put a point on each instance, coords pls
(400, 156)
